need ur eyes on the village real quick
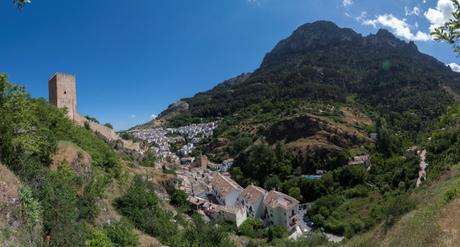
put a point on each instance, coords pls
(210, 189)
(161, 140)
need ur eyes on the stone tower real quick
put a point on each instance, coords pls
(63, 93)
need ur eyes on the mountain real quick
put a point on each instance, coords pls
(321, 61)
(361, 78)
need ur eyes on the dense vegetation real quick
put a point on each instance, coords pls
(145, 210)
(29, 132)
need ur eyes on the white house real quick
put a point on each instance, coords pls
(252, 199)
(225, 189)
(281, 209)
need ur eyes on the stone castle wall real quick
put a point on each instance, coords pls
(108, 133)
(62, 94)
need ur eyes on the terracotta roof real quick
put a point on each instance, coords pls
(275, 199)
(224, 185)
(252, 193)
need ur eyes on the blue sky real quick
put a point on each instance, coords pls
(134, 58)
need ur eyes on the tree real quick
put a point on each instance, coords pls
(253, 228)
(179, 199)
(276, 232)
(108, 125)
(22, 3)
(450, 30)
(296, 193)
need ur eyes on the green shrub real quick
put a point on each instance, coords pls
(60, 208)
(122, 234)
(148, 160)
(98, 238)
(142, 207)
(31, 208)
(396, 206)
(179, 199)
(253, 228)
(276, 232)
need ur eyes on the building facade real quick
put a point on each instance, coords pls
(252, 199)
(225, 189)
(281, 210)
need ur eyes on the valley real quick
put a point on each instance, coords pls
(337, 139)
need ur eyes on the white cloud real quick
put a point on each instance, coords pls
(415, 11)
(362, 16)
(441, 14)
(454, 67)
(346, 3)
(398, 27)
(132, 116)
(153, 116)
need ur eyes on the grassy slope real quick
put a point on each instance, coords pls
(432, 223)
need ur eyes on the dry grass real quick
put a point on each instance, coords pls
(77, 158)
(9, 185)
(354, 117)
(450, 224)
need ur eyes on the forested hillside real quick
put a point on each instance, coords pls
(314, 104)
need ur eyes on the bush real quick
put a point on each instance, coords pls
(396, 206)
(253, 228)
(451, 194)
(60, 208)
(142, 207)
(98, 238)
(179, 199)
(358, 191)
(122, 234)
(276, 232)
(31, 208)
(108, 125)
(148, 160)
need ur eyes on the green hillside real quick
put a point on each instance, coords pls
(313, 105)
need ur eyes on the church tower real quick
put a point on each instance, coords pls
(63, 93)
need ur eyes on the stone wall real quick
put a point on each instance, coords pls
(107, 133)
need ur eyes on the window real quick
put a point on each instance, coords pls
(65, 92)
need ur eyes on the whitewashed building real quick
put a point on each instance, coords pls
(225, 189)
(252, 199)
(281, 209)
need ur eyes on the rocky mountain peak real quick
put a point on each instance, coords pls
(311, 36)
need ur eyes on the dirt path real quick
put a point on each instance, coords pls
(423, 166)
